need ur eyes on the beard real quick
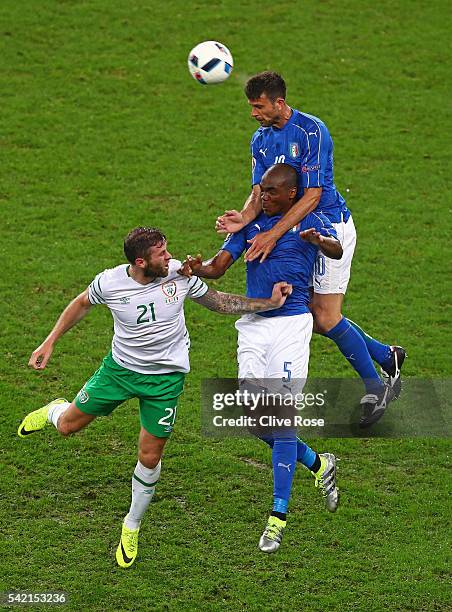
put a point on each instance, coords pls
(269, 122)
(151, 272)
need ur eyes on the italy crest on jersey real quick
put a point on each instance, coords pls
(294, 150)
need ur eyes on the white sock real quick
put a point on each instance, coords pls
(143, 488)
(56, 411)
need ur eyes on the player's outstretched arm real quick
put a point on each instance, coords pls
(329, 246)
(71, 315)
(212, 268)
(228, 303)
(233, 221)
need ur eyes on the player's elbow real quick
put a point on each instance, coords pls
(82, 300)
(316, 196)
(338, 251)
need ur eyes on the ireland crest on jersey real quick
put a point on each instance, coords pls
(294, 150)
(83, 396)
(170, 289)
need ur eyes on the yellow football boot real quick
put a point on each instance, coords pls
(38, 419)
(128, 547)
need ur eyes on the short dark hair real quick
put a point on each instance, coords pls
(138, 241)
(286, 174)
(269, 83)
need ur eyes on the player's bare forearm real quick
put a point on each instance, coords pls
(71, 315)
(253, 205)
(208, 270)
(227, 303)
(212, 268)
(331, 248)
(306, 204)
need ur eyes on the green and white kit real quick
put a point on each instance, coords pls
(149, 354)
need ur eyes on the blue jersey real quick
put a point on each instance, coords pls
(304, 143)
(292, 260)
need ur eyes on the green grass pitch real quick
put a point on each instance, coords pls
(103, 129)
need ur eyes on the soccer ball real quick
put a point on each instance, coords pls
(210, 62)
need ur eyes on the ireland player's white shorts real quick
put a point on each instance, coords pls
(332, 275)
(274, 348)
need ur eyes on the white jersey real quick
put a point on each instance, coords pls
(150, 336)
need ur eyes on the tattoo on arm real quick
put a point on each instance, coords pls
(228, 303)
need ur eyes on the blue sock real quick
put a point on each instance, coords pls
(381, 353)
(284, 459)
(305, 454)
(354, 349)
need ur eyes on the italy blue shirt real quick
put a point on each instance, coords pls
(292, 260)
(304, 143)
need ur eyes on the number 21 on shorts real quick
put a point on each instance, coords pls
(169, 418)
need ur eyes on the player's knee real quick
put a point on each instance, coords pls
(322, 325)
(324, 319)
(149, 457)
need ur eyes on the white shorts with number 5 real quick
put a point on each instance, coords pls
(274, 348)
(332, 275)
